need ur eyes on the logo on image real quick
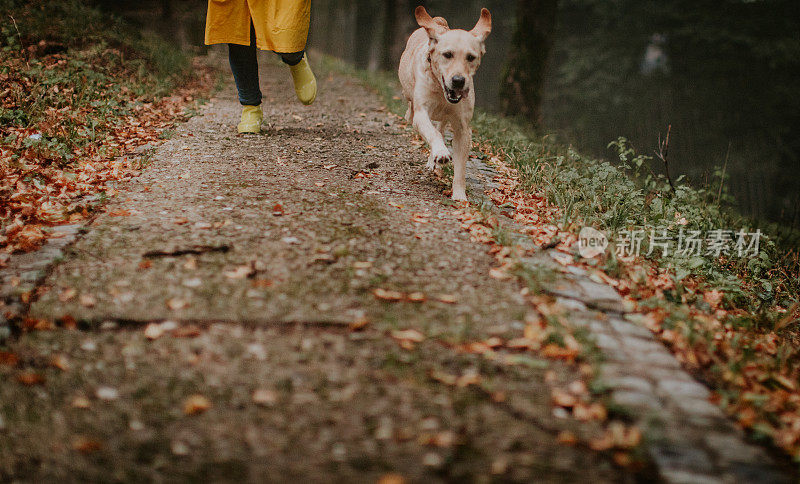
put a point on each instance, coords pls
(591, 242)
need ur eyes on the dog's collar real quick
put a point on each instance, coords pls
(430, 66)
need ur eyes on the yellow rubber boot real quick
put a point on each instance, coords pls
(251, 119)
(305, 84)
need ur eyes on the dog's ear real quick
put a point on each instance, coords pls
(484, 26)
(434, 27)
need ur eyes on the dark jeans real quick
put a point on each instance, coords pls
(244, 65)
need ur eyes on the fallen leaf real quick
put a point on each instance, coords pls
(265, 398)
(359, 323)
(623, 459)
(562, 258)
(81, 402)
(196, 404)
(68, 322)
(713, 298)
(87, 300)
(445, 378)
(261, 283)
(563, 399)
(408, 335)
(567, 438)
(190, 264)
(153, 331)
(67, 294)
(176, 304)
(107, 393)
(240, 272)
(9, 359)
(499, 274)
(30, 378)
(145, 264)
(86, 445)
(388, 295)
(188, 331)
(60, 361)
(324, 257)
(392, 479)
(468, 378)
(586, 412)
(421, 218)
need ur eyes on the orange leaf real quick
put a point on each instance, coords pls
(196, 404)
(567, 438)
(388, 295)
(359, 324)
(561, 398)
(30, 378)
(392, 479)
(188, 331)
(61, 362)
(8, 358)
(86, 445)
(176, 304)
(408, 335)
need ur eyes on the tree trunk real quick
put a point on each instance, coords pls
(364, 33)
(390, 18)
(521, 92)
(167, 12)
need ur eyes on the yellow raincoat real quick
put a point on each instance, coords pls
(280, 25)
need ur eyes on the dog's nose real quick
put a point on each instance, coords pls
(458, 82)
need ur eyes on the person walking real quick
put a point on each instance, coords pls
(248, 25)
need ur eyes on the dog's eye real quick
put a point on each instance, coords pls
(470, 57)
(448, 55)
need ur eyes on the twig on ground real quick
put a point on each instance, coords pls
(196, 250)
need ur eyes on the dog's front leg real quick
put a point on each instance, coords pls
(440, 155)
(462, 142)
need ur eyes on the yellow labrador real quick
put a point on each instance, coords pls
(436, 73)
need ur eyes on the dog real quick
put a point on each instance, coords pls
(436, 73)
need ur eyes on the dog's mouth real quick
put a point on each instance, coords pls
(453, 96)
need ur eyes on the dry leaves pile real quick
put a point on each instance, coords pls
(56, 170)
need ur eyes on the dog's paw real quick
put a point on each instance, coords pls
(459, 196)
(438, 159)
